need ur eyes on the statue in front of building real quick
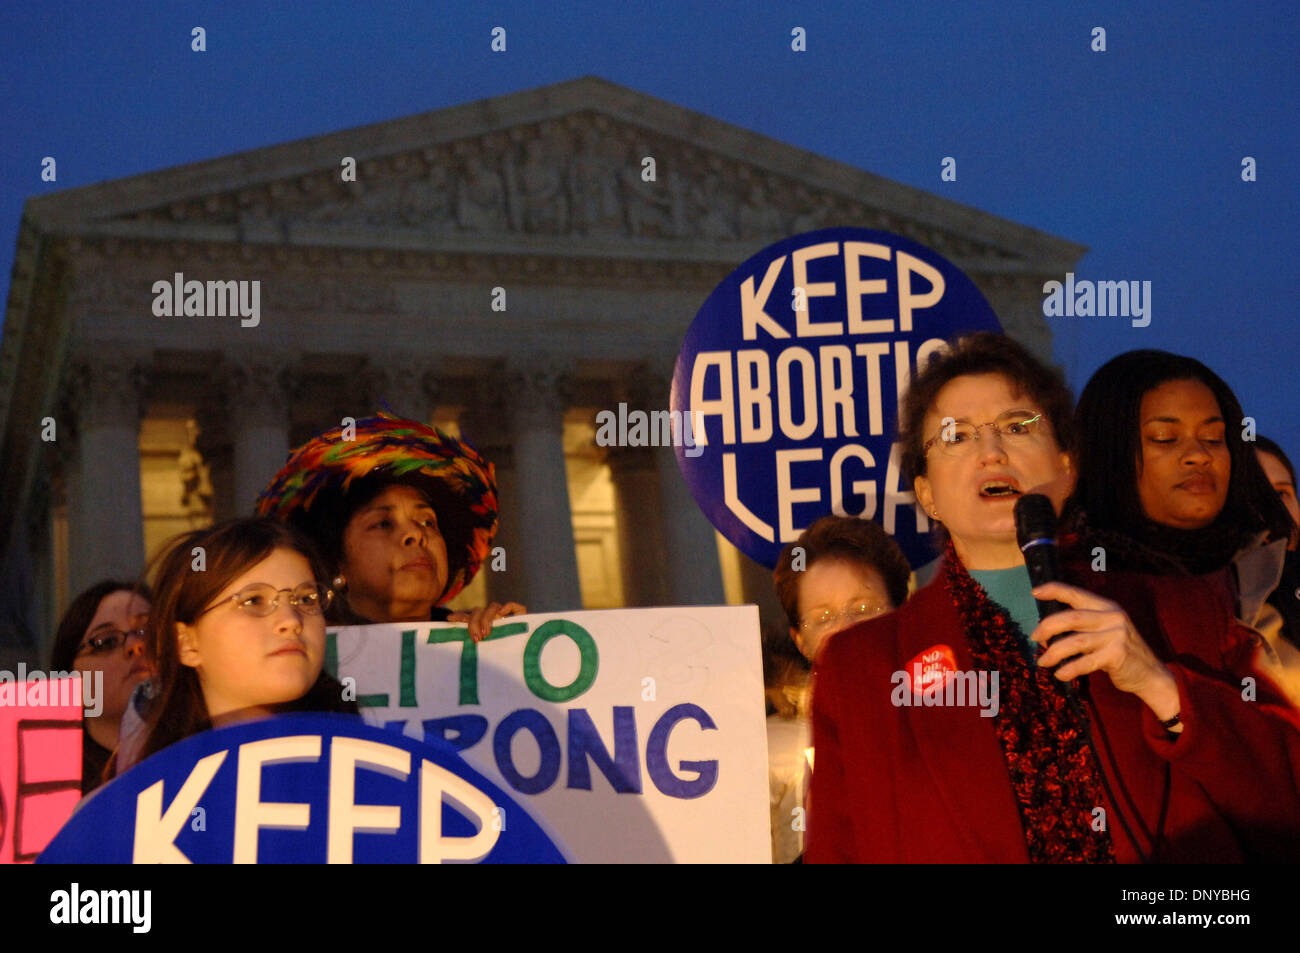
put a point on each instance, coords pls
(196, 479)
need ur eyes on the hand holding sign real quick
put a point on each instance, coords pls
(480, 620)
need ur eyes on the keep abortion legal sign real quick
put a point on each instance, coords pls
(791, 374)
(635, 735)
(301, 789)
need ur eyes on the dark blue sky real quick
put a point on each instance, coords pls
(1135, 152)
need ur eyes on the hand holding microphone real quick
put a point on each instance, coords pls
(1082, 631)
(1036, 534)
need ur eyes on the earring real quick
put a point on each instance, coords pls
(339, 582)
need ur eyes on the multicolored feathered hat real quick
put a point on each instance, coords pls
(405, 451)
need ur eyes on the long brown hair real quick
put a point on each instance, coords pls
(181, 594)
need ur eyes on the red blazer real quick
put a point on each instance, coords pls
(930, 785)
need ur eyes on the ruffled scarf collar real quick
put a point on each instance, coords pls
(1043, 731)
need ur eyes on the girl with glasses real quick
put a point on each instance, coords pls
(238, 629)
(101, 635)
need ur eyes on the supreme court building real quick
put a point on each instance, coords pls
(121, 427)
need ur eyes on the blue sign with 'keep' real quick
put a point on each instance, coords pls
(302, 789)
(790, 377)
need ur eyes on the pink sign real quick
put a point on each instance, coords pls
(40, 762)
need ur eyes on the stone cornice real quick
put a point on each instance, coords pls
(374, 266)
(391, 247)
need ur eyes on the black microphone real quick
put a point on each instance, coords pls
(1036, 534)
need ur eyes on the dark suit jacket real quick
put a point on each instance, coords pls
(925, 785)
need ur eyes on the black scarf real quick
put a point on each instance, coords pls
(1163, 550)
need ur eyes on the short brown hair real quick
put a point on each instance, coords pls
(848, 538)
(981, 353)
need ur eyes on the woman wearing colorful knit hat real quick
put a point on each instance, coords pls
(403, 514)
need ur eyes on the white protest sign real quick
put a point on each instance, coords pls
(634, 735)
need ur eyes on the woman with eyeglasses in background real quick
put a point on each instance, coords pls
(840, 571)
(102, 634)
(243, 638)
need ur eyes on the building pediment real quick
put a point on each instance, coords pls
(584, 168)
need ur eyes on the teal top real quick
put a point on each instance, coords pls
(1012, 590)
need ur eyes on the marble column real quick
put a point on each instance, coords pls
(694, 574)
(40, 592)
(536, 396)
(69, 464)
(484, 425)
(105, 511)
(257, 392)
(692, 570)
(757, 589)
(406, 383)
(638, 510)
(216, 444)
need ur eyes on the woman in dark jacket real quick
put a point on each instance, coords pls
(1168, 486)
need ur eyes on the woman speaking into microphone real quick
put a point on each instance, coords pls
(944, 732)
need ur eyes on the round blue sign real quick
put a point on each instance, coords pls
(789, 377)
(302, 789)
